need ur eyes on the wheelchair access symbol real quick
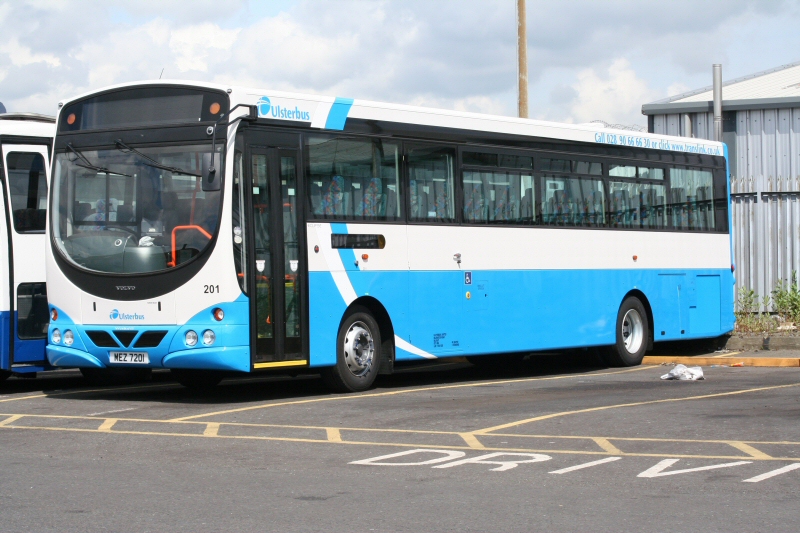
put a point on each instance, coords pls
(467, 278)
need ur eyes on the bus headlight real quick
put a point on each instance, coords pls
(55, 337)
(69, 338)
(209, 337)
(191, 338)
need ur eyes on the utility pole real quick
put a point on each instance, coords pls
(522, 57)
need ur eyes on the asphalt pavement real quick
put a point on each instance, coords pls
(556, 443)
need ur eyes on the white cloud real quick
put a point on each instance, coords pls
(677, 88)
(192, 45)
(457, 54)
(616, 95)
(21, 55)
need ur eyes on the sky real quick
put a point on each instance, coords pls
(587, 59)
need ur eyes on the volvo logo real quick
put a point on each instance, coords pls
(126, 287)
(118, 242)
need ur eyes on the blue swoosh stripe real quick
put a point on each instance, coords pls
(337, 116)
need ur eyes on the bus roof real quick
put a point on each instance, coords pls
(27, 125)
(331, 113)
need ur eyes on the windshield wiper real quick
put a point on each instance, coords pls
(149, 161)
(85, 163)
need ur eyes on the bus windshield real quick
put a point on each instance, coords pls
(120, 211)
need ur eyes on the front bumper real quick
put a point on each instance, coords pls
(236, 358)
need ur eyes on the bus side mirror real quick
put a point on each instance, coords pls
(211, 176)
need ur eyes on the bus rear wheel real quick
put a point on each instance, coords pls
(197, 379)
(358, 353)
(633, 334)
(4, 375)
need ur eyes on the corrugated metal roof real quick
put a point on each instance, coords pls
(778, 84)
(772, 83)
(774, 88)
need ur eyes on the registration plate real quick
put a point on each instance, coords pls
(129, 357)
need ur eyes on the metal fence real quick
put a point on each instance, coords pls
(766, 231)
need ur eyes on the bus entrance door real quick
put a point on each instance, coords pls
(276, 266)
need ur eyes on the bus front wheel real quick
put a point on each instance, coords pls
(633, 333)
(358, 353)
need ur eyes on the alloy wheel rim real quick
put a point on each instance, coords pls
(632, 331)
(359, 349)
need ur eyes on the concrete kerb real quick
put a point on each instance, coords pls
(734, 360)
(767, 353)
(762, 343)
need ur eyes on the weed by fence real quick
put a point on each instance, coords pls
(753, 311)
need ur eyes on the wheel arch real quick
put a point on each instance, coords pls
(648, 309)
(381, 316)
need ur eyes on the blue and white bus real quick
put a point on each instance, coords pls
(213, 229)
(26, 140)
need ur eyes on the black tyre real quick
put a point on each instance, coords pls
(197, 379)
(358, 353)
(633, 334)
(116, 376)
(4, 375)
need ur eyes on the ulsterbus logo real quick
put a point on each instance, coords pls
(116, 315)
(263, 106)
(266, 109)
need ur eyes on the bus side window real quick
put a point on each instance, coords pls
(691, 199)
(573, 201)
(497, 197)
(27, 183)
(431, 183)
(353, 179)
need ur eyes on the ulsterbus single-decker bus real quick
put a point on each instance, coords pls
(212, 229)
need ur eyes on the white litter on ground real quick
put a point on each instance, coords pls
(685, 373)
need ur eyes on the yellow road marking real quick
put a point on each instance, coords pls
(29, 397)
(403, 444)
(107, 424)
(333, 435)
(746, 448)
(607, 446)
(393, 430)
(472, 441)
(84, 391)
(633, 404)
(279, 364)
(643, 439)
(10, 419)
(404, 391)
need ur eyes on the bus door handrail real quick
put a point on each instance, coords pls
(174, 261)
